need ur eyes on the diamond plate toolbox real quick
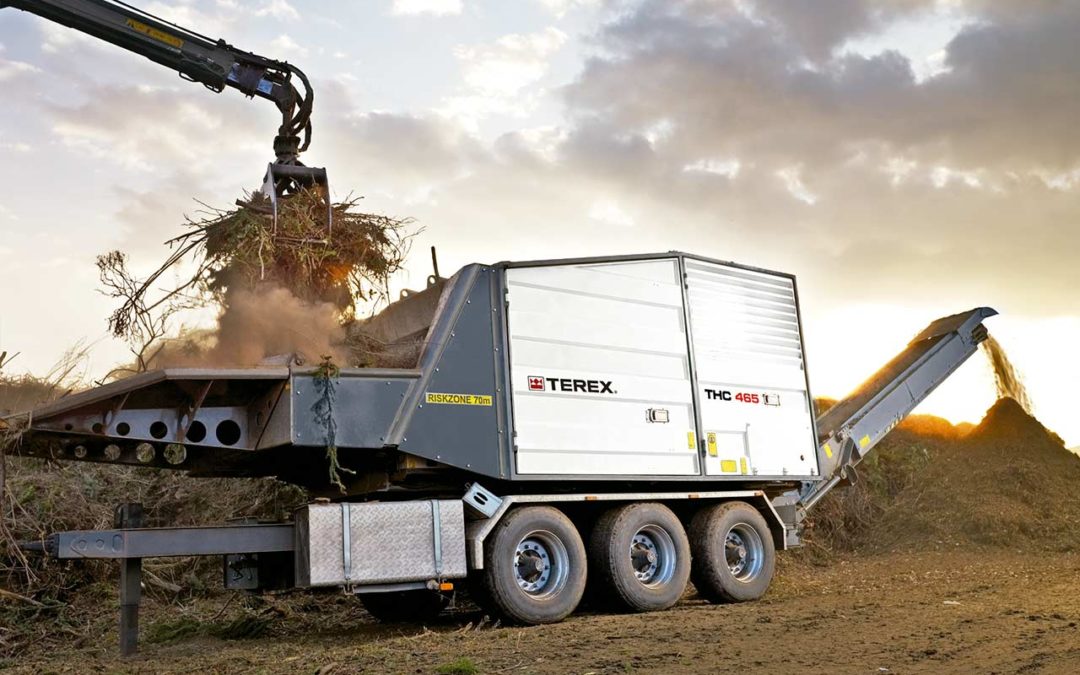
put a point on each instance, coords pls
(386, 542)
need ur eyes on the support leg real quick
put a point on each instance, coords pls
(129, 516)
(130, 594)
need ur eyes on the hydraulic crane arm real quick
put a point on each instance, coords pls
(213, 63)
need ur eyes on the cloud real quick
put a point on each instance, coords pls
(16, 147)
(818, 28)
(280, 10)
(9, 70)
(56, 38)
(398, 155)
(152, 129)
(736, 86)
(561, 8)
(707, 126)
(285, 45)
(430, 7)
(202, 17)
(704, 126)
(152, 215)
(498, 76)
(792, 180)
(511, 63)
(609, 212)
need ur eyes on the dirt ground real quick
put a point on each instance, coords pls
(934, 612)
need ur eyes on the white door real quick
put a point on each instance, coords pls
(755, 405)
(600, 370)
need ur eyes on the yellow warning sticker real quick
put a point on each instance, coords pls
(744, 466)
(711, 436)
(728, 466)
(864, 441)
(154, 33)
(691, 441)
(459, 399)
(828, 451)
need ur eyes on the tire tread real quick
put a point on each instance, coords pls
(500, 592)
(628, 593)
(714, 582)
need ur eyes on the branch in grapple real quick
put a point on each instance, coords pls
(241, 249)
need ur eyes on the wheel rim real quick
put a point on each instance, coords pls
(744, 552)
(541, 564)
(652, 555)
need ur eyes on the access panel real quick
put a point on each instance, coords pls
(600, 370)
(752, 387)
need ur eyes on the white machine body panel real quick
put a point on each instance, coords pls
(601, 371)
(593, 349)
(756, 413)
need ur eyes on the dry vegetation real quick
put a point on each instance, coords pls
(292, 288)
(284, 289)
(44, 602)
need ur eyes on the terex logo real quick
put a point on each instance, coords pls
(569, 384)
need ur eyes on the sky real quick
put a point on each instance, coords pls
(905, 159)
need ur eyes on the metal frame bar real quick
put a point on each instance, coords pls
(631, 257)
(129, 515)
(190, 409)
(806, 372)
(691, 352)
(504, 395)
(390, 588)
(169, 542)
(129, 543)
(144, 380)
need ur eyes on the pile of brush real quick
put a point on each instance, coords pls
(340, 262)
(242, 261)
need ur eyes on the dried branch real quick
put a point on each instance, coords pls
(240, 248)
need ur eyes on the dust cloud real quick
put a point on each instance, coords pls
(257, 325)
(1007, 379)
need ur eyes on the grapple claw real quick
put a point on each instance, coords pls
(283, 180)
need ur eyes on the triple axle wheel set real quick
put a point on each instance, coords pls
(636, 557)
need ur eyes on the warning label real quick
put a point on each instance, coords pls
(459, 399)
(155, 34)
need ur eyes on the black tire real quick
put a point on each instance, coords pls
(640, 556)
(534, 566)
(404, 606)
(734, 554)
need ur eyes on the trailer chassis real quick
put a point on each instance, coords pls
(241, 545)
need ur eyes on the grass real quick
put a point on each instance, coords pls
(184, 628)
(461, 666)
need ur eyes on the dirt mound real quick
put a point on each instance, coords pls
(1007, 422)
(1009, 483)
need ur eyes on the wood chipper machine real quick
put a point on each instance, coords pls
(634, 421)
